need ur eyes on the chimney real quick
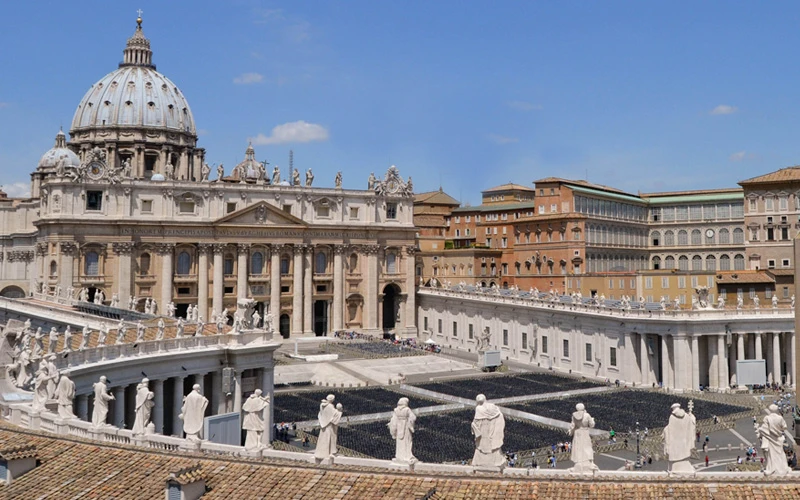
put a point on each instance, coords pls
(16, 461)
(186, 484)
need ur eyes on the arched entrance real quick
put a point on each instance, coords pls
(320, 317)
(283, 326)
(13, 292)
(391, 306)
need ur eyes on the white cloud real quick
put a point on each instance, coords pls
(3, 105)
(724, 109)
(501, 139)
(248, 78)
(299, 131)
(17, 190)
(524, 106)
(202, 131)
(741, 156)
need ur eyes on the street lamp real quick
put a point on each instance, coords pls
(638, 452)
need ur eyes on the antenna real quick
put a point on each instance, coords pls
(291, 161)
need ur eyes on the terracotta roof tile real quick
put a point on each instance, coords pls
(17, 452)
(788, 174)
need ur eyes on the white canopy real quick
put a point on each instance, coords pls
(430, 342)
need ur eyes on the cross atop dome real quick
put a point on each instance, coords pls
(137, 52)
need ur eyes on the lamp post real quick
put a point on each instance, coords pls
(638, 452)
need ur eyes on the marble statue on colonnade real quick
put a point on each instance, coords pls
(771, 431)
(38, 345)
(679, 438)
(161, 326)
(582, 453)
(401, 427)
(255, 409)
(40, 382)
(65, 394)
(488, 427)
(140, 329)
(192, 412)
(53, 340)
(329, 417)
(52, 375)
(144, 407)
(101, 399)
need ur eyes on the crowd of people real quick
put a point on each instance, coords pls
(509, 385)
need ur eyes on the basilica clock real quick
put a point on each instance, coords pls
(95, 170)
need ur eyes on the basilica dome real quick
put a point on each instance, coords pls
(59, 151)
(135, 95)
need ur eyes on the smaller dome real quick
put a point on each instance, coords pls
(158, 177)
(251, 168)
(59, 151)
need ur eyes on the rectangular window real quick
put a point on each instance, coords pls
(786, 292)
(230, 207)
(471, 332)
(752, 205)
(696, 212)
(771, 264)
(544, 345)
(186, 207)
(524, 340)
(681, 281)
(648, 282)
(425, 323)
(664, 282)
(287, 208)
(553, 208)
(694, 281)
(785, 263)
(323, 211)
(458, 219)
(588, 353)
(752, 292)
(769, 203)
(229, 290)
(505, 338)
(612, 357)
(565, 348)
(737, 210)
(455, 329)
(353, 212)
(541, 209)
(440, 325)
(94, 200)
(391, 211)
(611, 284)
(784, 203)
(768, 293)
(621, 284)
(147, 206)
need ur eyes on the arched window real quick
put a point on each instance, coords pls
(724, 236)
(320, 263)
(656, 262)
(53, 269)
(683, 237)
(697, 263)
(184, 263)
(696, 237)
(91, 264)
(284, 265)
(391, 263)
(711, 263)
(709, 236)
(683, 263)
(655, 238)
(144, 264)
(724, 263)
(257, 263)
(353, 263)
(228, 264)
(669, 238)
(738, 235)
(738, 262)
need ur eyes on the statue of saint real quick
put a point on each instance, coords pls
(220, 172)
(296, 177)
(771, 431)
(582, 453)
(371, 181)
(192, 412)
(338, 180)
(52, 340)
(309, 177)
(255, 409)
(101, 399)
(679, 436)
(276, 175)
(161, 326)
(401, 427)
(65, 394)
(488, 427)
(40, 382)
(144, 406)
(329, 417)
(52, 375)
(205, 171)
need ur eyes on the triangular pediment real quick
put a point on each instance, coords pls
(260, 214)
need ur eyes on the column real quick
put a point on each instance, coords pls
(138, 169)
(695, 363)
(740, 354)
(119, 407)
(268, 388)
(297, 287)
(791, 370)
(308, 293)
(123, 251)
(682, 363)
(82, 406)
(66, 276)
(166, 250)
(666, 365)
(158, 407)
(241, 270)
(183, 166)
(237, 391)
(776, 357)
(217, 396)
(177, 404)
(275, 287)
(199, 379)
(202, 280)
(411, 295)
(371, 293)
(722, 362)
(713, 367)
(643, 360)
(338, 293)
(218, 278)
(759, 352)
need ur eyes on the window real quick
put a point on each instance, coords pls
(565, 348)
(771, 264)
(391, 211)
(738, 262)
(752, 292)
(724, 237)
(184, 263)
(738, 236)
(683, 263)
(91, 264)
(505, 338)
(669, 262)
(612, 356)
(439, 324)
(769, 203)
(320, 263)
(664, 282)
(287, 208)
(768, 293)
(783, 202)
(696, 237)
(785, 263)
(648, 282)
(697, 263)
(284, 265)
(53, 269)
(391, 263)
(683, 237)
(323, 211)
(455, 329)
(752, 205)
(230, 207)
(186, 207)
(471, 331)
(425, 323)
(544, 345)
(553, 208)
(144, 264)
(711, 263)
(353, 212)
(655, 237)
(786, 292)
(524, 340)
(147, 206)
(724, 263)
(681, 281)
(227, 265)
(94, 200)
(257, 263)
(588, 353)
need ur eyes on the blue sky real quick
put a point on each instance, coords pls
(643, 96)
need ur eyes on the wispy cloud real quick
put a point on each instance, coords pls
(502, 139)
(724, 109)
(741, 156)
(248, 79)
(3, 105)
(299, 131)
(202, 131)
(17, 190)
(524, 106)
(263, 16)
(292, 28)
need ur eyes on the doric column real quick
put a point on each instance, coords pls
(202, 280)
(82, 406)
(776, 357)
(275, 286)
(199, 379)
(237, 391)
(644, 358)
(682, 363)
(666, 365)
(268, 387)
(158, 407)
(411, 295)
(740, 354)
(695, 363)
(713, 358)
(791, 368)
(217, 397)
(183, 166)
(219, 289)
(722, 362)
(177, 404)
(241, 270)
(66, 272)
(308, 291)
(297, 289)
(119, 407)
(123, 251)
(371, 292)
(759, 351)
(166, 250)
(338, 292)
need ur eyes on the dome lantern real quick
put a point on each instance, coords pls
(137, 51)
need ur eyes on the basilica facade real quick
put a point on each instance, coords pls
(128, 207)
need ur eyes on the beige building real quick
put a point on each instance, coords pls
(126, 207)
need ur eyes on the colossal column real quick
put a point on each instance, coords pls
(219, 287)
(644, 358)
(776, 357)
(243, 250)
(695, 363)
(411, 303)
(307, 291)
(119, 407)
(275, 287)
(166, 250)
(713, 362)
(666, 365)
(177, 404)
(371, 293)
(158, 406)
(722, 362)
(759, 352)
(338, 293)
(123, 251)
(202, 280)
(297, 289)
(68, 251)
